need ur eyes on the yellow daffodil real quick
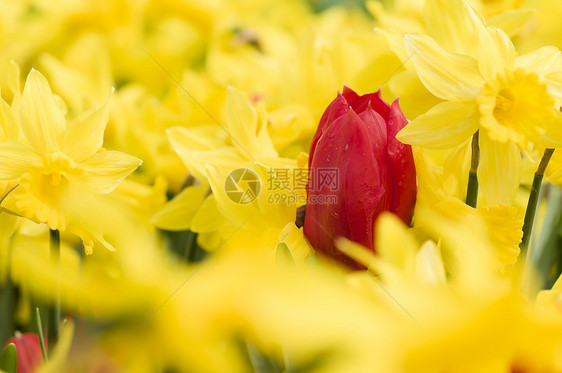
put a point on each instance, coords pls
(293, 238)
(440, 189)
(511, 99)
(211, 153)
(9, 131)
(83, 77)
(401, 259)
(58, 166)
(551, 299)
(445, 21)
(543, 28)
(554, 169)
(139, 200)
(137, 124)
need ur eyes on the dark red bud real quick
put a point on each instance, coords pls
(356, 138)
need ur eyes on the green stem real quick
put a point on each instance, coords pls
(472, 188)
(6, 311)
(7, 302)
(55, 313)
(530, 216)
(41, 336)
(533, 202)
(190, 246)
(545, 250)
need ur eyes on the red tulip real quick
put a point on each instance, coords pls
(28, 352)
(356, 139)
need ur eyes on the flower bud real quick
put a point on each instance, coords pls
(28, 351)
(356, 141)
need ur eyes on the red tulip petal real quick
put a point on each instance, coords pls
(376, 126)
(349, 94)
(345, 146)
(375, 100)
(336, 109)
(377, 129)
(357, 137)
(365, 192)
(402, 167)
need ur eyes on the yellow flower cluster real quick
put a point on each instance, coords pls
(154, 171)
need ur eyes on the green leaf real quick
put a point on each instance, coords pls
(9, 359)
(40, 333)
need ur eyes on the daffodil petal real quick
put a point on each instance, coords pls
(84, 135)
(393, 241)
(447, 75)
(360, 254)
(511, 20)
(196, 148)
(66, 81)
(8, 124)
(230, 201)
(415, 99)
(242, 121)
(455, 170)
(396, 43)
(496, 52)
(208, 218)
(429, 265)
(444, 126)
(554, 83)
(8, 225)
(13, 81)
(41, 121)
(553, 172)
(504, 227)
(177, 214)
(498, 171)
(451, 25)
(15, 159)
(299, 247)
(196, 161)
(197, 138)
(430, 190)
(105, 170)
(541, 61)
(552, 138)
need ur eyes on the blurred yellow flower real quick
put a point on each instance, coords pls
(59, 166)
(437, 192)
(211, 153)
